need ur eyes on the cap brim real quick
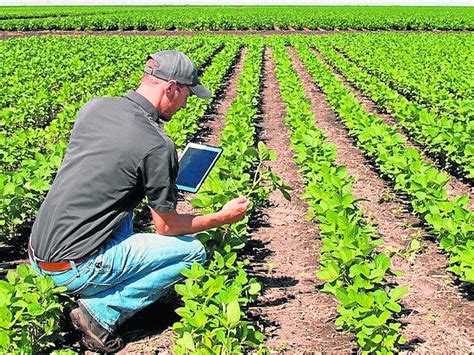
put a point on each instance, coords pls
(201, 91)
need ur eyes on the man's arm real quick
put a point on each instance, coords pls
(172, 223)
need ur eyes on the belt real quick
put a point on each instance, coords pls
(57, 266)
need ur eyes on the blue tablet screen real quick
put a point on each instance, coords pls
(194, 165)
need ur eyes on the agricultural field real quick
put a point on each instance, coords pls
(216, 18)
(356, 150)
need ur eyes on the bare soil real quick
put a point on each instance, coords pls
(150, 330)
(297, 316)
(436, 315)
(454, 187)
(216, 121)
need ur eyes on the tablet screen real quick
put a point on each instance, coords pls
(195, 164)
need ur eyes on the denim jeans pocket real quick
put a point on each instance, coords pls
(100, 277)
(102, 264)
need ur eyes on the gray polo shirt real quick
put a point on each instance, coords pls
(117, 155)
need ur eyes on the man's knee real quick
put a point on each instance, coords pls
(197, 252)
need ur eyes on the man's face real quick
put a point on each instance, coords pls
(176, 96)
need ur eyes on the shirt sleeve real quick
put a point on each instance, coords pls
(159, 171)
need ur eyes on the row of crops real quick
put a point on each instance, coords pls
(236, 18)
(422, 82)
(58, 75)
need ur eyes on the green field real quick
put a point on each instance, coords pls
(422, 81)
(236, 18)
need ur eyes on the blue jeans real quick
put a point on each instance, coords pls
(128, 273)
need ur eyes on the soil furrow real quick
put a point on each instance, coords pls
(149, 330)
(215, 122)
(297, 317)
(436, 316)
(454, 187)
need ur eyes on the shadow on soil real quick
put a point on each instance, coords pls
(466, 289)
(150, 321)
(13, 251)
(257, 252)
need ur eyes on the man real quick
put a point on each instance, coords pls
(118, 154)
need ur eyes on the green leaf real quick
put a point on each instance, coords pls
(4, 339)
(371, 321)
(187, 341)
(233, 312)
(35, 309)
(255, 288)
(200, 319)
(6, 287)
(398, 293)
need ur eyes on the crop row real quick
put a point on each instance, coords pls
(22, 12)
(441, 136)
(449, 220)
(352, 269)
(431, 69)
(33, 139)
(32, 90)
(214, 295)
(36, 92)
(241, 18)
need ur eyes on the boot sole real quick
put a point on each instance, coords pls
(89, 342)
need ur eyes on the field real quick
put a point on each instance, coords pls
(355, 147)
(236, 18)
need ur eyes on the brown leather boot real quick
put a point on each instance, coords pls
(96, 338)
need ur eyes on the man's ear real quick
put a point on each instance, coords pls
(171, 87)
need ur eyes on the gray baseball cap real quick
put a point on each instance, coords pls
(174, 65)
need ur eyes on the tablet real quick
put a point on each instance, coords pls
(195, 164)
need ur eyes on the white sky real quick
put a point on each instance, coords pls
(241, 2)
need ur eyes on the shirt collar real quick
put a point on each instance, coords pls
(143, 103)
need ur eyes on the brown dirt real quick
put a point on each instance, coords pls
(142, 334)
(436, 315)
(297, 316)
(8, 34)
(216, 121)
(454, 187)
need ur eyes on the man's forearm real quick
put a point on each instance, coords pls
(172, 223)
(190, 224)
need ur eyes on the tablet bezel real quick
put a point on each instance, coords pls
(202, 147)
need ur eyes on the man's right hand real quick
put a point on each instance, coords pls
(234, 210)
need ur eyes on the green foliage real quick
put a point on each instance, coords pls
(212, 318)
(29, 311)
(233, 17)
(443, 122)
(450, 220)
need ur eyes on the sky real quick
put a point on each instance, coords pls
(242, 2)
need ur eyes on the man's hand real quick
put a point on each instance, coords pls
(234, 210)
